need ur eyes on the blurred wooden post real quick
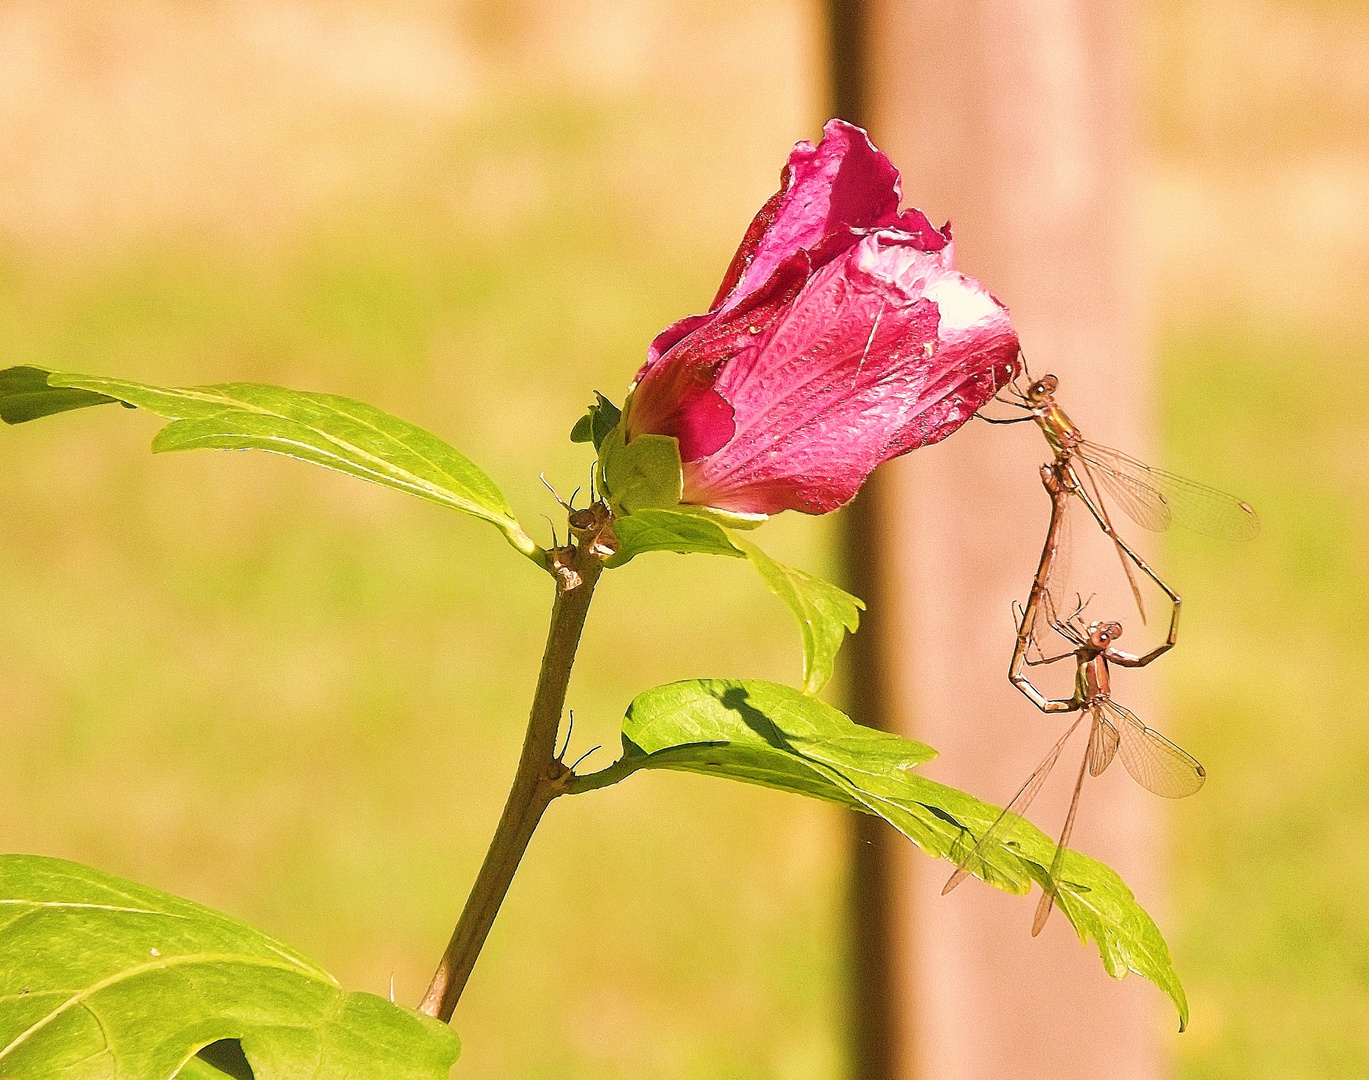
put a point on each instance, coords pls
(878, 1032)
(1015, 119)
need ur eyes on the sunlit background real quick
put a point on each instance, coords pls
(299, 698)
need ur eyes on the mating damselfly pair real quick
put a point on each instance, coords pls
(1084, 473)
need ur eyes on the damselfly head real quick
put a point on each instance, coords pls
(1103, 634)
(1041, 390)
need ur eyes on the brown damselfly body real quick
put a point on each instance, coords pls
(1114, 731)
(1151, 497)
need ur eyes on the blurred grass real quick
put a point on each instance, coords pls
(1259, 229)
(1270, 689)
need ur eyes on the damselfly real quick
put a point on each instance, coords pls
(1151, 759)
(1114, 731)
(1151, 497)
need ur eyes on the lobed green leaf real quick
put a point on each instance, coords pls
(103, 979)
(678, 529)
(335, 432)
(825, 613)
(776, 736)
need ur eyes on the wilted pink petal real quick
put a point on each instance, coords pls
(662, 400)
(830, 195)
(840, 338)
(880, 353)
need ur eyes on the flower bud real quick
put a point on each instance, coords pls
(840, 338)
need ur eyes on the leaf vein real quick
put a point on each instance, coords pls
(40, 904)
(80, 998)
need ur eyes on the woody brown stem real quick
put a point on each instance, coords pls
(540, 778)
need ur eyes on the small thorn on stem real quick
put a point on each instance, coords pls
(547, 484)
(586, 754)
(570, 729)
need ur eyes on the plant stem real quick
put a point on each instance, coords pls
(621, 769)
(540, 778)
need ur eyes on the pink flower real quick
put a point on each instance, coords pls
(840, 338)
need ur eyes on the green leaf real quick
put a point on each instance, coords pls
(102, 979)
(199, 1069)
(335, 432)
(216, 1061)
(776, 736)
(825, 612)
(678, 530)
(25, 395)
(644, 473)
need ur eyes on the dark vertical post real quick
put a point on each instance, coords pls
(846, 24)
(875, 1028)
(878, 1027)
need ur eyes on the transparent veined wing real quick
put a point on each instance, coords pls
(1144, 504)
(1103, 742)
(1152, 497)
(974, 862)
(1153, 761)
(1047, 901)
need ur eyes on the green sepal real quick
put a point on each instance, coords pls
(643, 474)
(599, 419)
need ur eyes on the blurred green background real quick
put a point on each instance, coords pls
(299, 698)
